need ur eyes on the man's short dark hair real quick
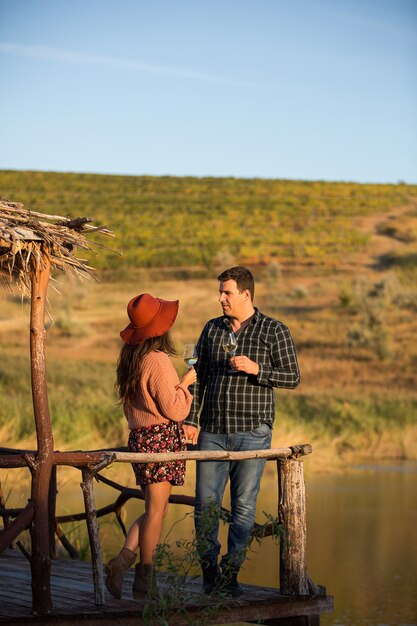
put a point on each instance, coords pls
(243, 277)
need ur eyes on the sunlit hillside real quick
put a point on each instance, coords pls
(335, 261)
(188, 222)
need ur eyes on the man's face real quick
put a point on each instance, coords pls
(233, 302)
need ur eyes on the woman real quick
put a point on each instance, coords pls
(154, 402)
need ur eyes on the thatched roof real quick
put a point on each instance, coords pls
(27, 238)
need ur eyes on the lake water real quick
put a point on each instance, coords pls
(362, 543)
(361, 536)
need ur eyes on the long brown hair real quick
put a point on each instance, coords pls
(130, 361)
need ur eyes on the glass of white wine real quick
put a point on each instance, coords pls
(190, 355)
(229, 346)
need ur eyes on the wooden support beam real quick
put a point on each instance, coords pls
(42, 467)
(65, 542)
(13, 530)
(93, 534)
(52, 493)
(292, 515)
(6, 518)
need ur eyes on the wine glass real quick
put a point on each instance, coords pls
(230, 345)
(190, 355)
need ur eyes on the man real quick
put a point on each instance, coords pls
(235, 398)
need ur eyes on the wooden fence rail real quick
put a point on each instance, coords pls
(9, 458)
(294, 579)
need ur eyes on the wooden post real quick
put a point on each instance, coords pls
(6, 519)
(40, 562)
(292, 514)
(93, 534)
(52, 512)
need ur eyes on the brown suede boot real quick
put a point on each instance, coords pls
(144, 583)
(116, 569)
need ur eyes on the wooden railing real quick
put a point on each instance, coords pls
(294, 579)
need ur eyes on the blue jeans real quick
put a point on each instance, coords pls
(211, 479)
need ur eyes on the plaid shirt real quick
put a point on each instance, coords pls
(234, 402)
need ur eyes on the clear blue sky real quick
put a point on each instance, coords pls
(298, 89)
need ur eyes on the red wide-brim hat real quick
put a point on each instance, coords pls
(149, 317)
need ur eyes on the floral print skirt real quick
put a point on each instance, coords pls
(159, 438)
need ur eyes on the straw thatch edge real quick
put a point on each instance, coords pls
(27, 238)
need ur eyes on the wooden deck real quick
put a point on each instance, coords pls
(73, 600)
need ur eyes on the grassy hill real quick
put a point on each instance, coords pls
(335, 261)
(188, 222)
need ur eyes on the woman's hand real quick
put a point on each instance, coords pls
(191, 433)
(189, 377)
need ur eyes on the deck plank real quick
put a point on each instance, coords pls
(73, 599)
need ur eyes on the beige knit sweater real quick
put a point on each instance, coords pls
(160, 397)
